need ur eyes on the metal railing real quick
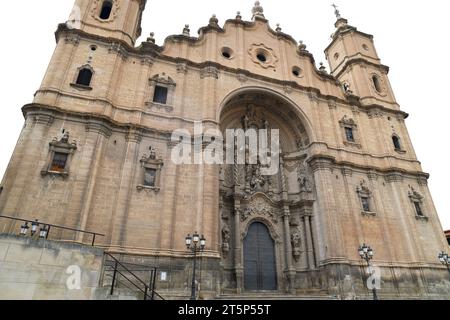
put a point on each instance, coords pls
(50, 226)
(119, 268)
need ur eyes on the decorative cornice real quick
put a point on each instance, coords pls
(94, 122)
(326, 162)
(349, 64)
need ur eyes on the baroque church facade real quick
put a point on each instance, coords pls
(95, 154)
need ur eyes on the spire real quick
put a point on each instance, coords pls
(258, 11)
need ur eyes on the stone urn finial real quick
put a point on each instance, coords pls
(186, 30)
(258, 10)
(214, 21)
(151, 38)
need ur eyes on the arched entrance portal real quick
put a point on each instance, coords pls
(280, 202)
(260, 272)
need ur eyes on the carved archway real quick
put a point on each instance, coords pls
(247, 196)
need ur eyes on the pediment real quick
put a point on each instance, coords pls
(258, 38)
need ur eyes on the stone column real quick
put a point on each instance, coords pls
(290, 269)
(309, 242)
(238, 264)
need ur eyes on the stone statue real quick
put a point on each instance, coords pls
(305, 185)
(65, 137)
(296, 244)
(226, 240)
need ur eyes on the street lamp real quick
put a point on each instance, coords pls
(44, 232)
(444, 258)
(366, 253)
(34, 227)
(24, 229)
(195, 244)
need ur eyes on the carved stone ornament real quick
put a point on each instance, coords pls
(270, 59)
(413, 194)
(303, 179)
(226, 236)
(253, 119)
(259, 207)
(363, 189)
(346, 121)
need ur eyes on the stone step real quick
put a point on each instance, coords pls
(265, 296)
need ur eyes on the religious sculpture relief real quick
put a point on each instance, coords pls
(303, 179)
(296, 241)
(259, 207)
(226, 236)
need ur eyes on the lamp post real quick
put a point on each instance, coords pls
(44, 232)
(34, 227)
(195, 244)
(444, 258)
(24, 229)
(366, 253)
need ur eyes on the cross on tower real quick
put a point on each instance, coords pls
(336, 11)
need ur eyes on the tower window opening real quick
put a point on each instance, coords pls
(418, 209)
(376, 83)
(105, 13)
(365, 204)
(150, 177)
(160, 95)
(349, 134)
(396, 142)
(59, 162)
(84, 77)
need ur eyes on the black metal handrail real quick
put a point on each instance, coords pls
(50, 226)
(147, 287)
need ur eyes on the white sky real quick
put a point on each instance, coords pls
(411, 37)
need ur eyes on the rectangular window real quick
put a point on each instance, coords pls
(349, 134)
(418, 209)
(160, 95)
(365, 204)
(59, 162)
(150, 178)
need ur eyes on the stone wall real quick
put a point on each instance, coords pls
(33, 269)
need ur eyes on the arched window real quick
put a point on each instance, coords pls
(396, 142)
(105, 13)
(376, 83)
(84, 77)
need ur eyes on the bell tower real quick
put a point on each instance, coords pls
(118, 19)
(354, 60)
